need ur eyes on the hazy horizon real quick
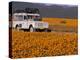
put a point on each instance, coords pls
(49, 10)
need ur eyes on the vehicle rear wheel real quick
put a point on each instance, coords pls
(18, 27)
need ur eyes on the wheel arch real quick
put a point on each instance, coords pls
(30, 25)
(18, 25)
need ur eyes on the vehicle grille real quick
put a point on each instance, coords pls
(40, 24)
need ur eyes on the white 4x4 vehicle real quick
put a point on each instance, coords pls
(28, 21)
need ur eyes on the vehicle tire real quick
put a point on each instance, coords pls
(48, 30)
(45, 30)
(31, 29)
(18, 27)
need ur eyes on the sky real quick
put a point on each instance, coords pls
(49, 10)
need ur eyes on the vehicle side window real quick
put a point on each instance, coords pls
(25, 17)
(20, 17)
(29, 17)
(15, 17)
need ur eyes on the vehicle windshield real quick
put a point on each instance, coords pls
(36, 18)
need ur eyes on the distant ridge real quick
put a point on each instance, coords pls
(49, 10)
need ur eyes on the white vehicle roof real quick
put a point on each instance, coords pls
(26, 14)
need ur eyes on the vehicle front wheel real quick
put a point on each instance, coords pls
(45, 30)
(31, 29)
